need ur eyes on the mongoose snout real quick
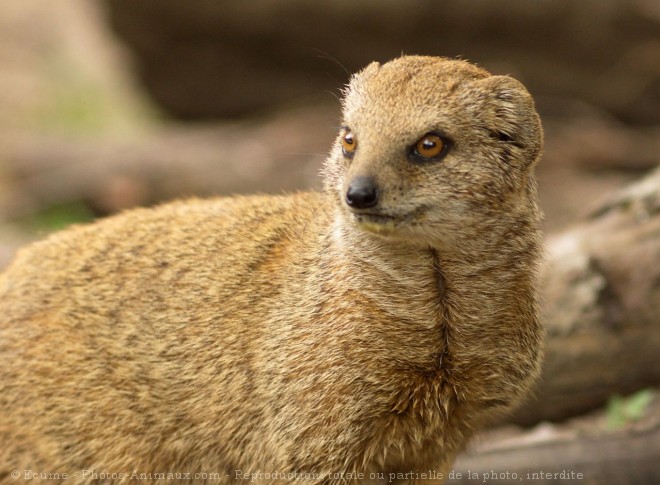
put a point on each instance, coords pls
(362, 193)
(331, 337)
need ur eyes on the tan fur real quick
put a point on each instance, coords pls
(280, 334)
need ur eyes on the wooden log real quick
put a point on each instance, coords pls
(601, 302)
(581, 451)
(268, 155)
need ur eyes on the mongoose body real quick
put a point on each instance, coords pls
(354, 333)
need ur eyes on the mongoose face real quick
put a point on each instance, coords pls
(431, 146)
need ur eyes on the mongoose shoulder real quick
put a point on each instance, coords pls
(368, 328)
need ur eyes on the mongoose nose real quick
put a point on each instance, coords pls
(362, 193)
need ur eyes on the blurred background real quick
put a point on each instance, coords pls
(111, 104)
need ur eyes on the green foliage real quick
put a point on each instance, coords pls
(623, 410)
(74, 101)
(78, 110)
(58, 217)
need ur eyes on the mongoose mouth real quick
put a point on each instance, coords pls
(379, 223)
(387, 223)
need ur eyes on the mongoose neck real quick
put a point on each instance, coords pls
(459, 300)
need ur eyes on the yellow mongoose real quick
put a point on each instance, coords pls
(357, 335)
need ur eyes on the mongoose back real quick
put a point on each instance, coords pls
(355, 335)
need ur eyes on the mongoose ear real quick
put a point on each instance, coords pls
(512, 117)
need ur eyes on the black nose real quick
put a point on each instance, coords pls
(362, 193)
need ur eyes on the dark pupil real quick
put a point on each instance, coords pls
(428, 144)
(349, 139)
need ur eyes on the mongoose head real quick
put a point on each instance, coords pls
(434, 151)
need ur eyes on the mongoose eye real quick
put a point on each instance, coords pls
(348, 144)
(431, 146)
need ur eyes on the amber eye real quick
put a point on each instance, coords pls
(348, 144)
(430, 147)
